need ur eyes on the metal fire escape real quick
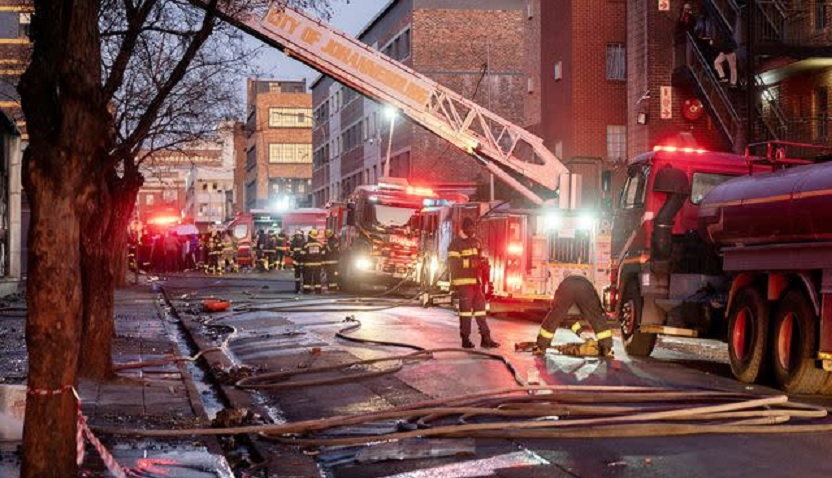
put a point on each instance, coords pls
(774, 33)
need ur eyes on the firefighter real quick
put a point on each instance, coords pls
(579, 291)
(261, 250)
(270, 251)
(281, 249)
(297, 248)
(214, 252)
(332, 254)
(464, 257)
(312, 256)
(229, 251)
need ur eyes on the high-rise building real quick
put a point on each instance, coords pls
(278, 157)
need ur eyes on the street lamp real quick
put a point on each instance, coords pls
(391, 113)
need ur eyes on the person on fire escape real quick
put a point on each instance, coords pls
(464, 257)
(579, 291)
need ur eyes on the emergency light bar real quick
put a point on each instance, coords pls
(674, 149)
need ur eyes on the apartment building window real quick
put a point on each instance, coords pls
(820, 14)
(280, 153)
(616, 143)
(616, 61)
(251, 159)
(290, 117)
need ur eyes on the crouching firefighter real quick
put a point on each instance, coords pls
(464, 257)
(579, 291)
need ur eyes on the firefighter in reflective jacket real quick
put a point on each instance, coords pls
(281, 249)
(297, 248)
(332, 254)
(579, 291)
(311, 257)
(464, 256)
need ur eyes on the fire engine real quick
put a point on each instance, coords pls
(731, 247)
(379, 232)
(245, 226)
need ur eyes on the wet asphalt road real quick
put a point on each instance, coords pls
(278, 330)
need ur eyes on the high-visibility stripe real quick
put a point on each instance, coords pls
(479, 313)
(453, 254)
(545, 333)
(466, 263)
(466, 281)
(576, 327)
(466, 314)
(470, 252)
(312, 264)
(604, 335)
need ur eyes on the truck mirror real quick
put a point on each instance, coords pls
(606, 181)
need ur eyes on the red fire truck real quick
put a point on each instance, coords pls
(731, 247)
(379, 232)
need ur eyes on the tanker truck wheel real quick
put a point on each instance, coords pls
(748, 336)
(793, 345)
(637, 344)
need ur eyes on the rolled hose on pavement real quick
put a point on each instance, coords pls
(278, 380)
(748, 415)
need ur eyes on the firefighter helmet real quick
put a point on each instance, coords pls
(328, 233)
(313, 233)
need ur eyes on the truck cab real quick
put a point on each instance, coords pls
(664, 275)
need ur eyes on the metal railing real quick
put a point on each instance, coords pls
(794, 23)
(716, 98)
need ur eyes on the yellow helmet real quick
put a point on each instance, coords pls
(328, 233)
(313, 233)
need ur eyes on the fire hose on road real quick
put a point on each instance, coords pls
(531, 412)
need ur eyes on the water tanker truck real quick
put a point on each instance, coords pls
(732, 247)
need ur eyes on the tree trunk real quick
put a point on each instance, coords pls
(65, 113)
(103, 240)
(53, 326)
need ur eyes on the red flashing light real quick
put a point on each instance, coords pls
(163, 220)
(515, 249)
(417, 191)
(675, 149)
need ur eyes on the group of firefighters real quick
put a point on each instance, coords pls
(315, 261)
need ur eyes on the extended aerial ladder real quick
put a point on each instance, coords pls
(505, 149)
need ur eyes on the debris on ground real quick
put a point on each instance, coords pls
(416, 449)
(235, 417)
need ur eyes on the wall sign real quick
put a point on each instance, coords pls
(666, 102)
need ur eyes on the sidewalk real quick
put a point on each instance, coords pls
(160, 396)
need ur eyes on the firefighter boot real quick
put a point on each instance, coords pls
(605, 349)
(466, 343)
(488, 343)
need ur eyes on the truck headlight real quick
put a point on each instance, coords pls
(363, 264)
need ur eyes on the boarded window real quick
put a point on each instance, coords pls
(616, 62)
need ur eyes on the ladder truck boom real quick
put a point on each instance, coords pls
(505, 149)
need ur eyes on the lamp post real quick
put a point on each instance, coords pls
(391, 113)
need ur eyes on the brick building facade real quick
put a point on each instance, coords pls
(447, 41)
(278, 157)
(784, 68)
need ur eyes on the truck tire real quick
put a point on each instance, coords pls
(748, 327)
(636, 344)
(793, 345)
